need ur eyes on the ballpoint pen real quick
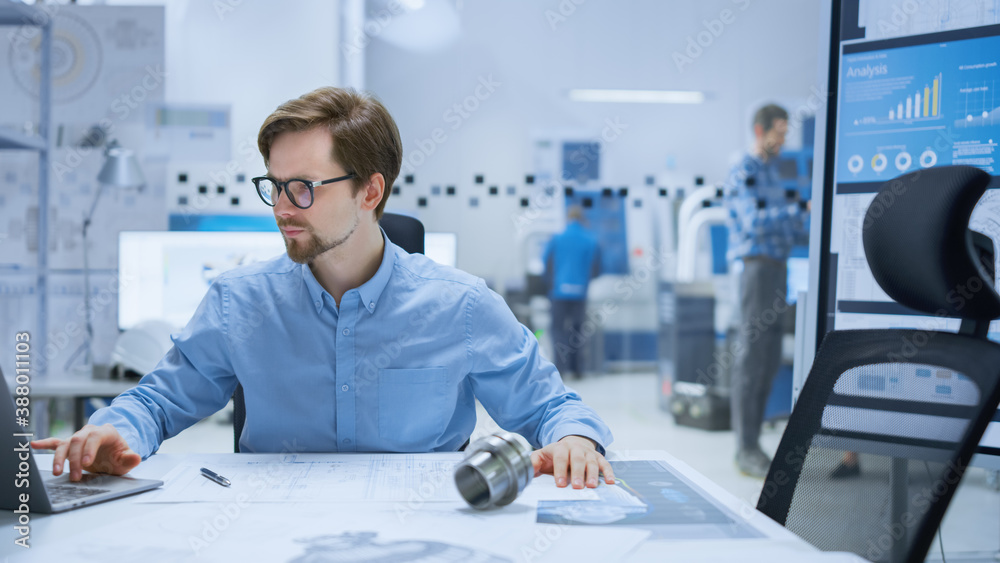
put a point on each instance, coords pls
(215, 477)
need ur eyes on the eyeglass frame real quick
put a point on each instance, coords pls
(283, 187)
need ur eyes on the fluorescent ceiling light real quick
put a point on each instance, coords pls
(425, 26)
(638, 96)
(412, 5)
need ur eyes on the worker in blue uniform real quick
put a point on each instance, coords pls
(572, 259)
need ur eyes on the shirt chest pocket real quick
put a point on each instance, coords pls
(412, 409)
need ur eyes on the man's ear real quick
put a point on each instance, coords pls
(758, 130)
(372, 192)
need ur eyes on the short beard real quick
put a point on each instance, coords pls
(307, 251)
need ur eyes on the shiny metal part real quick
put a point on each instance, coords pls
(495, 470)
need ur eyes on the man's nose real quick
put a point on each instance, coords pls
(283, 206)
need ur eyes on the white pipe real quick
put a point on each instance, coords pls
(688, 245)
(692, 204)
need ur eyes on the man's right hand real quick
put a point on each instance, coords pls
(98, 449)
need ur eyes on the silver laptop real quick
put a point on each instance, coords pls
(45, 494)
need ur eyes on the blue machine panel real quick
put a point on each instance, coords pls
(605, 216)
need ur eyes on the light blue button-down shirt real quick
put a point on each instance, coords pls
(393, 369)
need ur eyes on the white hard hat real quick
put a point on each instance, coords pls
(140, 348)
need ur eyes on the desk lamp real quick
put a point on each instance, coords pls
(120, 170)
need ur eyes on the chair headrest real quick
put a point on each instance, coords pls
(404, 231)
(919, 246)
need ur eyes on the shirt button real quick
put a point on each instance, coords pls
(347, 440)
(344, 388)
(347, 331)
(317, 303)
(371, 305)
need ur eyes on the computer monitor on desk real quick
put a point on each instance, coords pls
(163, 275)
(441, 248)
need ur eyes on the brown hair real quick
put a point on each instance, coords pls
(366, 139)
(767, 115)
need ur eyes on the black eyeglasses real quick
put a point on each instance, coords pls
(299, 192)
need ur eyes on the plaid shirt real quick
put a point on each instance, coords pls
(763, 219)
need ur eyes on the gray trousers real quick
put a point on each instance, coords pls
(757, 345)
(567, 335)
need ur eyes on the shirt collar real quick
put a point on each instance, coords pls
(370, 291)
(316, 291)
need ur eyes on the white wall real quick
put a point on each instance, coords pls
(254, 55)
(768, 51)
(250, 55)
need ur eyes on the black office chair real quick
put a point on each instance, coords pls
(404, 231)
(912, 403)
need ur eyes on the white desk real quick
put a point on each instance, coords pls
(79, 391)
(227, 528)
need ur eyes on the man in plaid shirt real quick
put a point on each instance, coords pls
(764, 223)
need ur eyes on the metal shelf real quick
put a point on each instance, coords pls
(12, 140)
(18, 14)
(15, 13)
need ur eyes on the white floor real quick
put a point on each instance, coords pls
(628, 403)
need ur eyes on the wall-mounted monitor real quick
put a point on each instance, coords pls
(907, 97)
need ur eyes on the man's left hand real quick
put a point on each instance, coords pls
(576, 454)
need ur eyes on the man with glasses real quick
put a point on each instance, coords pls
(346, 343)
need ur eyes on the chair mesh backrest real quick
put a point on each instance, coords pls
(909, 402)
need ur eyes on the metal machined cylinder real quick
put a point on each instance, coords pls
(495, 470)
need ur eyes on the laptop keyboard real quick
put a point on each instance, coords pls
(67, 493)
